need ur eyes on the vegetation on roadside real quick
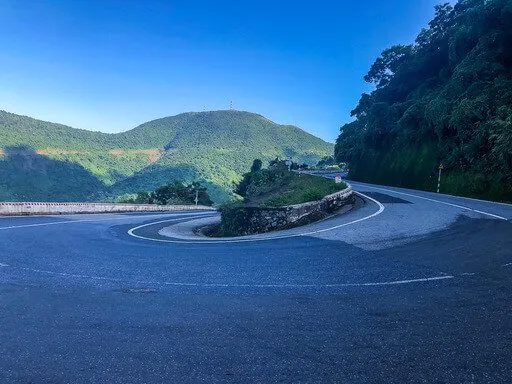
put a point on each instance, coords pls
(327, 161)
(276, 186)
(174, 193)
(446, 99)
(273, 187)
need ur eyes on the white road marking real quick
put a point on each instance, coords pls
(95, 220)
(458, 197)
(215, 285)
(438, 201)
(381, 209)
(3, 265)
(479, 200)
(270, 237)
(507, 265)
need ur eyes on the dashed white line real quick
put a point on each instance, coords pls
(270, 237)
(507, 265)
(3, 265)
(216, 285)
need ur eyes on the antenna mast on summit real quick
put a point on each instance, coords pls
(231, 105)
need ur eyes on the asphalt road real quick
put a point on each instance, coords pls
(411, 287)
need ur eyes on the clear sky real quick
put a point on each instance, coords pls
(110, 65)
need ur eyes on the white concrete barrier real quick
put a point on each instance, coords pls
(36, 208)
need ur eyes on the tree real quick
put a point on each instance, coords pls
(326, 161)
(256, 165)
(142, 198)
(241, 187)
(446, 97)
(389, 62)
(178, 193)
(274, 162)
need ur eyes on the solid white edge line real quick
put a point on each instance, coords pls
(380, 210)
(215, 285)
(130, 231)
(437, 201)
(478, 200)
(441, 194)
(109, 219)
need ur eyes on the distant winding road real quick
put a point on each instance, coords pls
(410, 287)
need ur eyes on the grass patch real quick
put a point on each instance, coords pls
(276, 186)
(300, 188)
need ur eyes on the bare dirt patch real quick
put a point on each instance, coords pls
(153, 154)
(59, 151)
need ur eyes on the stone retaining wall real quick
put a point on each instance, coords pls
(251, 220)
(35, 208)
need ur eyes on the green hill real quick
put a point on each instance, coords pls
(212, 147)
(447, 99)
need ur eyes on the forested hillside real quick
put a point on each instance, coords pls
(214, 148)
(446, 99)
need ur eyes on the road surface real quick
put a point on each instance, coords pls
(410, 287)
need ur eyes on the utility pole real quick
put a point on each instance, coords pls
(439, 177)
(197, 197)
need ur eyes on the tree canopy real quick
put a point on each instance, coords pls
(171, 193)
(447, 99)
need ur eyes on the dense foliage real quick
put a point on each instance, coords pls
(446, 99)
(213, 148)
(27, 176)
(173, 193)
(326, 161)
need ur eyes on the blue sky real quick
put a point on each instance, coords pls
(110, 65)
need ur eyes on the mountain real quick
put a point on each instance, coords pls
(215, 148)
(446, 99)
